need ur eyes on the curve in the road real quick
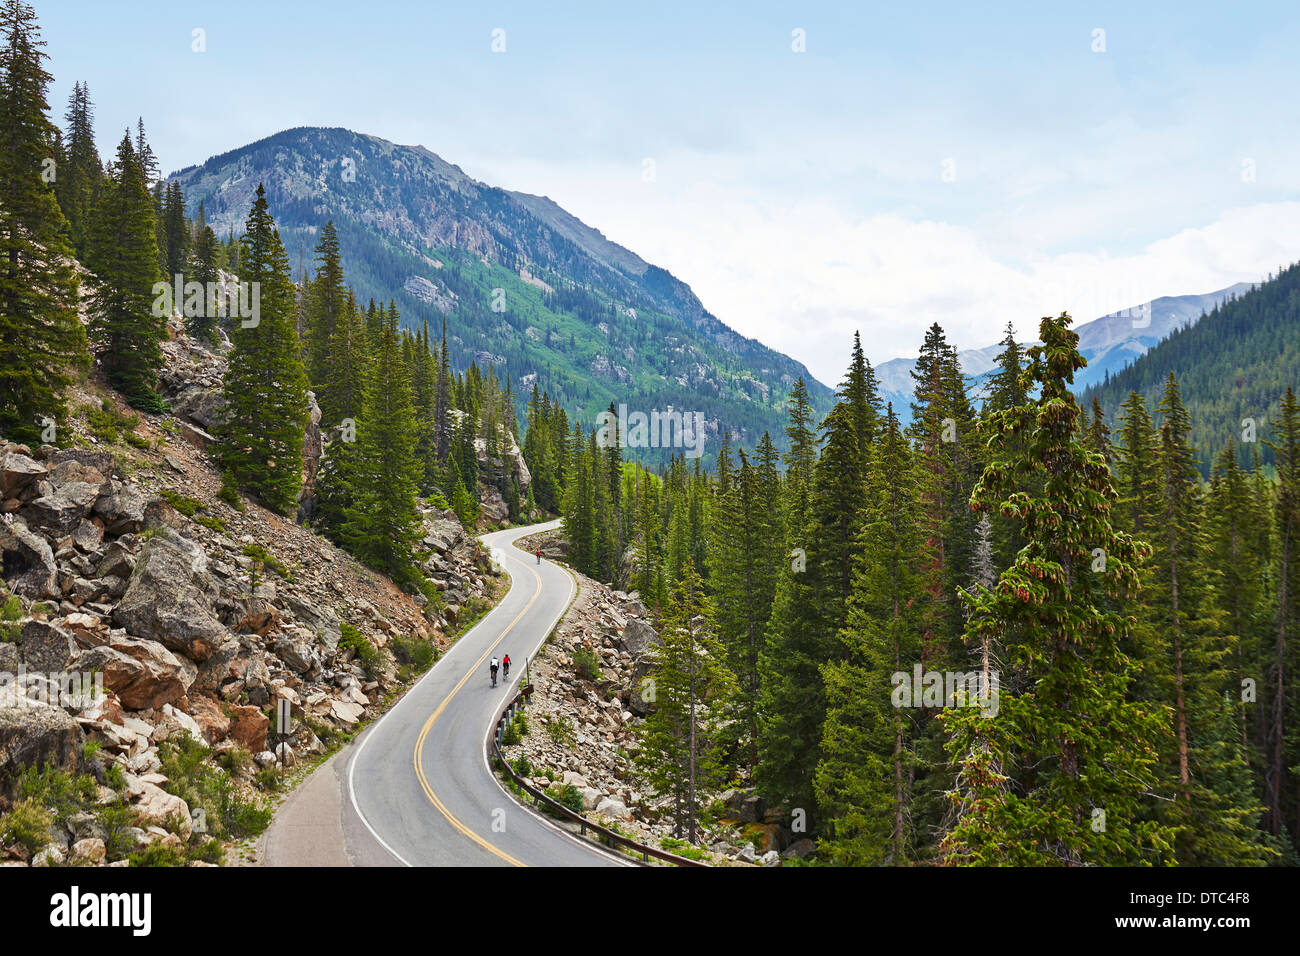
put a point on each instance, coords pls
(419, 781)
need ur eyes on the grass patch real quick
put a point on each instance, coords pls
(11, 612)
(267, 560)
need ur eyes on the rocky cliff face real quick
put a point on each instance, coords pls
(122, 565)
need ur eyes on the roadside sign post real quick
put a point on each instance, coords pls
(283, 728)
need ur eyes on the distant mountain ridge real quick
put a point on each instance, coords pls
(524, 285)
(1109, 343)
(1233, 367)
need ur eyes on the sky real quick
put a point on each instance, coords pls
(809, 169)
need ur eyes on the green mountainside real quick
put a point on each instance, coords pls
(1232, 366)
(591, 320)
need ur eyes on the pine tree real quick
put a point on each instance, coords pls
(1066, 746)
(1006, 390)
(1236, 524)
(1279, 659)
(1098, 434)
(679, 755)
(121, 254)
(865, 776)
(265, 387)
(1205, 766)
(336, 484)
(743, 578)
(859, 390)
(1135, 474)
(176, 226)
(42, 342)
(325, 301)
(204, 269)
(79, 175)
(383, 525)
(809, 609)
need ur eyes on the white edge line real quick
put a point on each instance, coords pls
(590, 846)
(352, 763)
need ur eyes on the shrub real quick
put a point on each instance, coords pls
(568, 796)
(116, 820)
(514, 731)
(27, 825)
(186, 505)
(368, 656)
(560, 731)
(58, 791)
(523, 766)
(229, 492)
(413, 652)
(269, 561)
(209, 851)
(586, 662)
(268, 778)
(158, 854)
(235, 760)
(211, 789)
(106, 423)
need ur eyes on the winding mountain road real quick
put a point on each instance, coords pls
(415, 788)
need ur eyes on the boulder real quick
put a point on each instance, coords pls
(27, 559)
(89, 850)
(211, 719)
(74, 487)
(125, 509)
(638, 688)
(143, 674)
(46, 647)
(217, 669)
(88, 536)
(158, 807)
(800, 849)
(169, 598)
(117, 561)
(175, 722)
(249, 727)
(637, 637)
(751, 808)
(18, 472)
(613, 808)
(33, 734)
(297, 654)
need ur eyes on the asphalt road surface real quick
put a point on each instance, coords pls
(415, 788)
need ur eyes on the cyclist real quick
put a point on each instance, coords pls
(493, 667)
(539, 555)
(505, 667)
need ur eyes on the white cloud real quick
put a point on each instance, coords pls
(802, 276)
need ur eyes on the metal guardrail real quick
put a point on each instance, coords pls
(605, 835)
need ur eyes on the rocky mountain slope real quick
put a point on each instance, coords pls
(122, 565)
(525, 286)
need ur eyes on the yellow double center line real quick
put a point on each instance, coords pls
(433, 719)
